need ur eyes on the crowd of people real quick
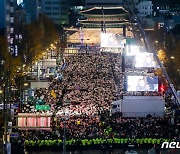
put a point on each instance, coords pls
(92, 131)
(85, 84)
(80, 96)
(108, 127)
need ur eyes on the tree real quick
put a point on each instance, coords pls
(10, 62)
(162, 56)
(37, 37)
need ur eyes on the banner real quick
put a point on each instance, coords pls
(34, 121)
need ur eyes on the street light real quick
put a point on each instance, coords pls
(2, 62)
(1, 95)
(172, 64)
(155, 44)
(26, 84)
(52, 45)
(178, 72)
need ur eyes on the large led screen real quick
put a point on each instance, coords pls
(142, 83)
(112, 40)
(144, 59)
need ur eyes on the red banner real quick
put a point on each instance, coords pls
(34, 121)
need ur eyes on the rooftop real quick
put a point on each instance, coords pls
(106, 10)
(98, 22)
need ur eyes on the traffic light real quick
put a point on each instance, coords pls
(162, 88)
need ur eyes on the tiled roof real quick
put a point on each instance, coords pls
(106, 10)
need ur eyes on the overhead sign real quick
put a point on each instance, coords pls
(42, 107)
(14, 135)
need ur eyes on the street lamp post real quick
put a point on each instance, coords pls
(43, 63)
(5, 114)
(1, 96)
(5, 92)
(172, 63)
(155, 44)
(64, 138)
(178, 73)
(64, 132)
(5, 122)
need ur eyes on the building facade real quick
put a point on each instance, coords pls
(74, 7)
(113, 17)
(145, 8)
(7, 11)
(105, 3)
(161, 8)
(110, 3)
(19, 2)
(32, 9)
(99, 20)
(77, 2)
(57, 10)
